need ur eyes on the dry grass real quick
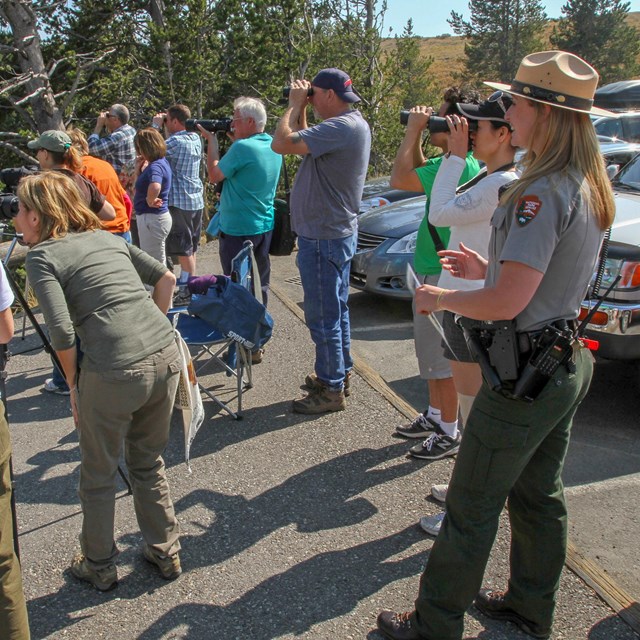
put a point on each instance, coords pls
(448, 52)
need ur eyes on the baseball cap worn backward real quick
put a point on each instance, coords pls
(51, 140)
(338, 81)
(556, 78)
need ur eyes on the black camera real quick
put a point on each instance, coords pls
(221, 124)
(8, 200)
(437, 124)
(8, 206)
(287, 90)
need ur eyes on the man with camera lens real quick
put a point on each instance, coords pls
(116, 147)
(324, 205)
(186, 200)
(250, 170)
(413, 172)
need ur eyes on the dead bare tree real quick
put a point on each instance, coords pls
(34, 77)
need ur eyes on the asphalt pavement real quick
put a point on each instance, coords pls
(292, 526)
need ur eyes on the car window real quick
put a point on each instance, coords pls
(609, 127)
(630, 175)
(632, 129)
(619, 157)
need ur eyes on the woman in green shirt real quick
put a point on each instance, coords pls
(90, 282)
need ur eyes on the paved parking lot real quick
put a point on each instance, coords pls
(292, 526)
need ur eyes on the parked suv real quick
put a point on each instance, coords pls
(616, 324)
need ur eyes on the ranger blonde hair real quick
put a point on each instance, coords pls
(58, 203)
(570, 144)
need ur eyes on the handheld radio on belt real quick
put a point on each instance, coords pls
(519, 365)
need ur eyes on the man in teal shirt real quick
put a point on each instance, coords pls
(250, 170)
(413, 172)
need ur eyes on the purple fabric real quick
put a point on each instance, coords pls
(200, 284)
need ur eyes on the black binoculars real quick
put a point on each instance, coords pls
(437, 124)
(287, 90)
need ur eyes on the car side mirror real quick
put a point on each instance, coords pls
(612, 169)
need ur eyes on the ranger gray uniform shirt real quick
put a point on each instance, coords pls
(551, 229)
(326, 195)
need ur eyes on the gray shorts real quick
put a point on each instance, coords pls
(457, 348)
(431, 361)
(184, 237)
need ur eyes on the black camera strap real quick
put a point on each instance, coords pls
(436, 239)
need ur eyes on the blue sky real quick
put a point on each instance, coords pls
(430, 16)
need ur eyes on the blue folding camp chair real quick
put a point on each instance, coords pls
(210, 341)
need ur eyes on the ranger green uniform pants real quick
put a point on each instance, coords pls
(13, 610)
(511, 451)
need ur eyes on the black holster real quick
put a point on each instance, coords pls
(518, 365)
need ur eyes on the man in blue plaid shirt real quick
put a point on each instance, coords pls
(186, 200)
(117, 146)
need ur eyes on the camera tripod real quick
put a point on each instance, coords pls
(4, 354)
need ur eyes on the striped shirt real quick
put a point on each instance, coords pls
(116, 148)
(184, 154)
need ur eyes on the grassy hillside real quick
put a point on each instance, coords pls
(448, 52)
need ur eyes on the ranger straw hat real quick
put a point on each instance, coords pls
(556, 78)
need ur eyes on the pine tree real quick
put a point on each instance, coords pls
(596, 30)
(500, 34)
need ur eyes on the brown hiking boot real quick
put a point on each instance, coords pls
(169, 566)
(312, 382)
(320, 400)
(493, 604)
(103, 579)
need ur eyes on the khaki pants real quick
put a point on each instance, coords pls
(131, 406)
(13, 610)
(511, 451)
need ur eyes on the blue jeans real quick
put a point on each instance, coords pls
(124, 234)
(324, 270)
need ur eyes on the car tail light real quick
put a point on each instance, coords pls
(630, 273)
(628, 270)
(599, 317)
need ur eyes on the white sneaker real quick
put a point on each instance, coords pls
(432, 524)
(49, 387)
(439, 492)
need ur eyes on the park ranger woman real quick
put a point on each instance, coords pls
(546, 233)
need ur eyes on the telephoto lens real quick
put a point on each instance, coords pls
(287, 90)
(221, 124)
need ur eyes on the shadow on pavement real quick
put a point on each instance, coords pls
(319, 498)
(326, 586)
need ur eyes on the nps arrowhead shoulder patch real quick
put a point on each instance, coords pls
(527, 209)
